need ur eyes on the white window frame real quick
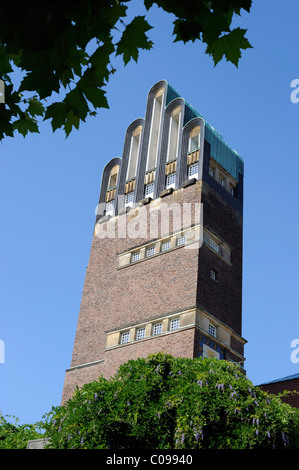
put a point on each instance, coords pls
(220, 180)
(157, 329)
(213, 275)
(109, 207)
(135, 257)
(181, 240)
(149, 190)
(129, 199)
(140, 334)
(150, 251)
(194, 143)
(125, 337)
(193, 171)
(170, 180)
(214, 245)
(165, 245)
(211, 171)
(212, 330)
(174, 324)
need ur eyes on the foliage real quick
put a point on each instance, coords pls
(163, 402)
(50, 44)
(16, 436)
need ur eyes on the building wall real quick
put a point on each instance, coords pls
(279, 387)
(120, 295)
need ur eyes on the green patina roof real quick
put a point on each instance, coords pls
(227, 157)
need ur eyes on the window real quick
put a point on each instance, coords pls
(211, 171)
(170, 180)
(133, 155)
(109, 207)
(140, 333)
(212, 330)
(165, 246)
(149, 190)
(173, 138)
(125, 338)
(113, 177)
(129, 199)
(220, 180)
(194, 139)
(193, 171)
(231, 190)
(157, 330)
(214, 246)
(155, 130)
(174, 324)
(213, 275)
(135, 257)
(181, 240)
(150, 251)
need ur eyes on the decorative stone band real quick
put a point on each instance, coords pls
(191, 318)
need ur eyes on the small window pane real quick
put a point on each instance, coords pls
(109, 207)
(140, 333)
(193, 171)
(129, 198)
(157, 330)
(174, 324)
(165, 246)
(150, 251)
(135, 257)
(170, 180)
(212, 330)
(220, 180)
(124, 338)
(213, 275)
(181, 241)
(214, 246)
(149, 190)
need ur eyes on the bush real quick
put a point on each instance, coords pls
(164, 402)
(16, 436)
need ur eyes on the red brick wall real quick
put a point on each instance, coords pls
(278, 387)
(174, 281)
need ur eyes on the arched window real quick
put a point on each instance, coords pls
(194, 139)
(133, 155)
(155, 131)
(112, 181)
(173, 137)
(111, 190)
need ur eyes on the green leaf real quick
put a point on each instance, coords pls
(71, 121)
(25, 125)
(76, 102)
(56, 112)
(35, 107)
(133, 39)
(229, 45)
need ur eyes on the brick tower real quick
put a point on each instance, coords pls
(165, 267)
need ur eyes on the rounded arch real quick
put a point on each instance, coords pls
(110, 174)
(190, 130)
(171, 143)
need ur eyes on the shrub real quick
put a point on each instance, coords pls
(163, 402)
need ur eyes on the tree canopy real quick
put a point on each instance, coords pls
(64, 52)
(162, 402)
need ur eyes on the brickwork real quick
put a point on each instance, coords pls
(279, 387)
(121, 293)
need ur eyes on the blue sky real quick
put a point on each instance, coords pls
(49, 188)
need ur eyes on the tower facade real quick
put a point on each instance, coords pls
(165, 266)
